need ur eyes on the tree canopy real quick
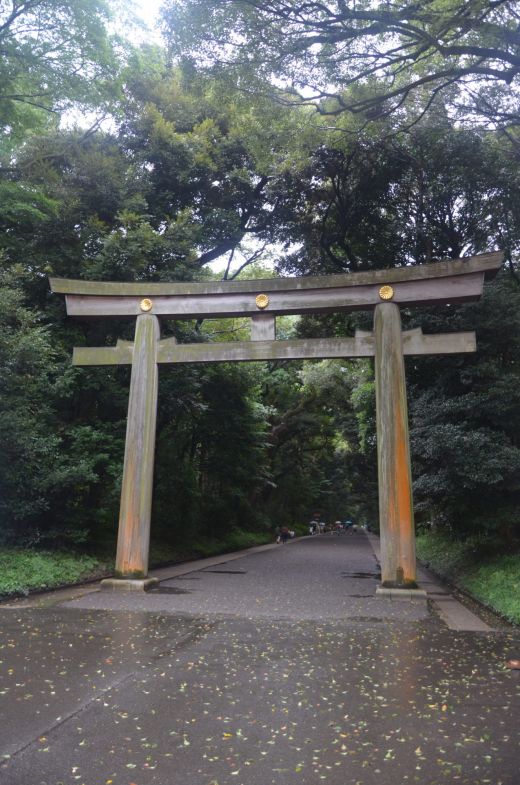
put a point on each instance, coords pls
(365, 57)
(53, 55)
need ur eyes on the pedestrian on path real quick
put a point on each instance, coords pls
(285, 534)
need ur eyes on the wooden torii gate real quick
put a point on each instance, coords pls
(385, 291)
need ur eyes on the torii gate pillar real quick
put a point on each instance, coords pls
(137, 485)
(396, 522)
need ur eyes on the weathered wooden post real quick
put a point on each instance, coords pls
(396, 523)
(136, 490)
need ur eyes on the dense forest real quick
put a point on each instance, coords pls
(260, 139)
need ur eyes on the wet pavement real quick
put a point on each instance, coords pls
(275, 668)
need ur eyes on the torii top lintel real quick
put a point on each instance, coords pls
(448, 281)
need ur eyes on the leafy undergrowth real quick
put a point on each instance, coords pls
(493, 579)
(162, 553)
(235, 541)
(23, 571)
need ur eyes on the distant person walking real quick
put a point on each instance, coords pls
(285, 534)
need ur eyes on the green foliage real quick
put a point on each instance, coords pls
(22, 571)
(368, 58)
(54, 55)
(54, 469)
(313, 444)
(496, 584)
(447, 556)
(475, 565)
(29, 450)
(374, 202)
(235, 540)
(466, 420)
(435, 193)
(207, 172)
(208, 417)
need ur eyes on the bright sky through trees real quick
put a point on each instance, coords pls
(148, 10)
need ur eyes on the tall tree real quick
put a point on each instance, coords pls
(208, 159)
(54, 55)
(103, 206)
(466, 420)
(435, 193)
(378, 201)
(365, 57)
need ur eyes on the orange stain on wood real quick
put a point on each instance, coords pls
(404, 494)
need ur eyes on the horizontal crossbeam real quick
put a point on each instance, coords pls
(445, 282)
(362, 345)
(487, 263)
(455, 289)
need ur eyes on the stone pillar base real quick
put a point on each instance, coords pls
(409, 595)
(128, 584)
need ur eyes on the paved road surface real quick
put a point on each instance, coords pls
(275, 668)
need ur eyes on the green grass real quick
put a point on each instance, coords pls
(492, 578)
(22, 571)
(497, 584)
(446, 556)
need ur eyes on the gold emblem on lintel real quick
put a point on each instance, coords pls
(262, 301)
(386, 292)
(146, 305)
